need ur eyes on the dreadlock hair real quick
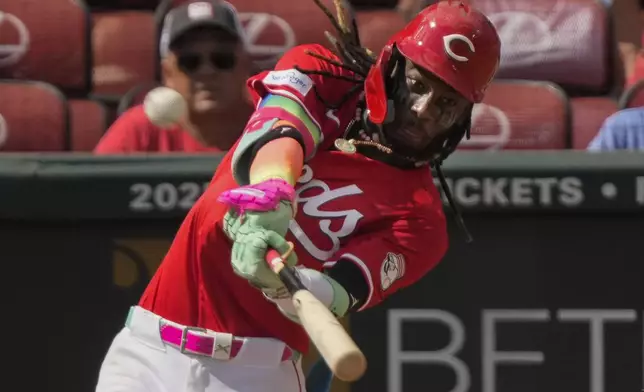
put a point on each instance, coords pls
(355, 58)
(359, 60)
(449, 146)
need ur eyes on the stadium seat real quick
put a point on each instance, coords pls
(134, 97)
(588, 115)
(566, 42)
(520, 115)
(33, 117)
(122, 4)
(88, 121)
(377, 27)
(125, 51)
(633, 97)
(47, 41)
(273, 27)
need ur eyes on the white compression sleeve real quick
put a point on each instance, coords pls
(323, 287)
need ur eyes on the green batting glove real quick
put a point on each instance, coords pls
(276, 220)
(256, 222)
(249, 256)
(253, 235)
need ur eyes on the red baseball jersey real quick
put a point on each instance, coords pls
(134, 132)
(351, 209)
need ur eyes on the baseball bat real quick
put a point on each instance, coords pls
(334, 344)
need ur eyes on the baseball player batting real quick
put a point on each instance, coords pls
(335, 161)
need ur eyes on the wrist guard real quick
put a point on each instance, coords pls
(261, 197)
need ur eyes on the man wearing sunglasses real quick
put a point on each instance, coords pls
(204, 58)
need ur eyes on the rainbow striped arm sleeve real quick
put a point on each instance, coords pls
(273, 112)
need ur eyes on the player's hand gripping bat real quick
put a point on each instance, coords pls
(340, 352)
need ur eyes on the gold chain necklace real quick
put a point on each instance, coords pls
(349, 147)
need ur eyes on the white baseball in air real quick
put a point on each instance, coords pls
(164, 106)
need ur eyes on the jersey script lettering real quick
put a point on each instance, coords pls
(313, 206)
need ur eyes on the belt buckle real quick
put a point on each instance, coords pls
(184, 337)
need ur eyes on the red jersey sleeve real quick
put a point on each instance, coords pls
(397, 257)
(126, 135)
(305, 92)
(314, 84)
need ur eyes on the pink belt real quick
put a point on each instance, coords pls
(199, 341)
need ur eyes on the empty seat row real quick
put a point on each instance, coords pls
(60, 42)
(568, 42)
(530, 115)
(36, 116)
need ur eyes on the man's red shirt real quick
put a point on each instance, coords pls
(134, 132)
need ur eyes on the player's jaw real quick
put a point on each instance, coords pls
(429, 111)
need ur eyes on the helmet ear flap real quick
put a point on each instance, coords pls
(395, 83)
(384, 85)
(375, 88)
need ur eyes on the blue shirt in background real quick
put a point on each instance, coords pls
(623, 130)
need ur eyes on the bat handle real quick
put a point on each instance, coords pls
(335, 345)
(287, 275)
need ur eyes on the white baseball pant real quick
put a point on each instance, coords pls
(139, 361)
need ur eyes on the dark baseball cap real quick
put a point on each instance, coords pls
(208, 13)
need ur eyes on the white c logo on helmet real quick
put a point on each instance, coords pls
(447, 42)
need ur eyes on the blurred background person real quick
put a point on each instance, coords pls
(623, 130)
(628, 20)
(204, 58)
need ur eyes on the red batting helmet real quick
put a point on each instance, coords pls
(450, 39)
